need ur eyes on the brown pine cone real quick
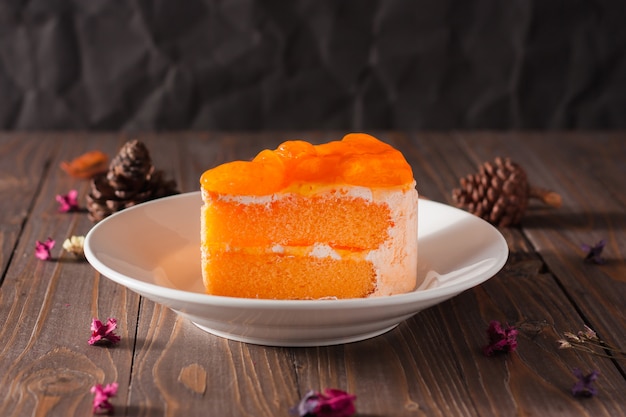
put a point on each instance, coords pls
(499, 193)
(131, 179)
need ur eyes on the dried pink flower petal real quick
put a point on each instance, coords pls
(42, 249)
(103, 333)
(331, 403)
(68, 202)
(102, 395)
(501, 339)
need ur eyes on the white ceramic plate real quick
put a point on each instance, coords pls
(153, 249)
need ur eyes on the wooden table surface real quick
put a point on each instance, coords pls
(430, 365)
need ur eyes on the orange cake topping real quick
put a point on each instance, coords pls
(358, 159)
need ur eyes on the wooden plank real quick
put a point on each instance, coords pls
(600, 155)
(398, 373)
(590, 212)
(429, 154)
(537, 378)
(182, 370)
(23, 163)
(266, 373)
(47, 306)
(192, 372)
(430, 365)
(425, 365)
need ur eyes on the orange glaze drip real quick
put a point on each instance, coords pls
(358, 159)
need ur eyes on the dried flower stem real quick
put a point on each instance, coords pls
(550, 198)
(588, 341)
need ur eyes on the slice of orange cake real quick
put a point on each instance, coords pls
(303, 221)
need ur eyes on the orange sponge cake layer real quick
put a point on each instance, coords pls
(337, 220)
(283, 276)
(296, 220)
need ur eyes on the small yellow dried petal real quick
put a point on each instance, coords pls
(572, 336)
(564, 344)
(74, 245)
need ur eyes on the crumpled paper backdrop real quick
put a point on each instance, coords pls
(310, 64)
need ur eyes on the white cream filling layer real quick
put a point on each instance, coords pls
(321, 250)
(306, 190)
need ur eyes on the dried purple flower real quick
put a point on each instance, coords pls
(583, 387)
(101, 403)
(594, 253)
(42, 249)
(103, 333)
(332, 403)
(501, 339)
(68, 202)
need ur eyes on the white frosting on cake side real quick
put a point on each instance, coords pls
(395, 260)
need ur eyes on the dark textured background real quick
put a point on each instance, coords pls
(252, 64)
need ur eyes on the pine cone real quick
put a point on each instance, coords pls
(499, 193)
(131, 179)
